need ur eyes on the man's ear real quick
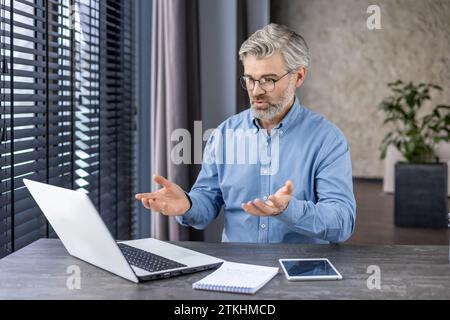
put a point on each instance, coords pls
(301, 75)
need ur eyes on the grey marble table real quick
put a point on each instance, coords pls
(39, 271)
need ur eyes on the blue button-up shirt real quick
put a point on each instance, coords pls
(304, 148)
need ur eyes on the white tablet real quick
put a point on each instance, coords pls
(309, 269)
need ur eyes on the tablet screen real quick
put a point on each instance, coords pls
(298, 268)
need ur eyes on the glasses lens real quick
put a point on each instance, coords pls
(247, 83)
(267, 84)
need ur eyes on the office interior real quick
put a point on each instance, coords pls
(91, 91)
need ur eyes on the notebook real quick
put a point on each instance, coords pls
(237, 278)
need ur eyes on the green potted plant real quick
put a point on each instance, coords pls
(421, 180)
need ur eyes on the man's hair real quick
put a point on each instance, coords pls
(275, 38)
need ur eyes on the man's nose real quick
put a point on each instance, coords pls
(257, 90)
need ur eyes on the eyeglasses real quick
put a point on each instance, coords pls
(265, 83)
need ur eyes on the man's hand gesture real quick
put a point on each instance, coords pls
(274, 205)
(170, 200)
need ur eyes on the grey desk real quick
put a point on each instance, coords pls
(407, 272)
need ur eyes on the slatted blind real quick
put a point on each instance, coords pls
(67, 111)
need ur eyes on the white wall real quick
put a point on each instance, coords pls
(351, 64)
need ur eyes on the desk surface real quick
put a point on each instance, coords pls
(407, 272)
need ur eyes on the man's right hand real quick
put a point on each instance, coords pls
(170, 200)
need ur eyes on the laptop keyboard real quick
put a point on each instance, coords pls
(146, 260)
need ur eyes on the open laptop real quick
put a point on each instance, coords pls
(82, 231)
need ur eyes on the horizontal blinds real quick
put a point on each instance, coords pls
(67, 109)
(120, 14)
(59, 95)
(24, 149)
(127, 140)
(110, 90)
(117, 89)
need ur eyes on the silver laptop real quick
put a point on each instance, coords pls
(82, 231)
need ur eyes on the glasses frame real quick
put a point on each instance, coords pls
(244, 86)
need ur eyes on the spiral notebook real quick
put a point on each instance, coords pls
(237, 278)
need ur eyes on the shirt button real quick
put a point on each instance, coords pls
(265, 198)
(281, 132)
(263, 225)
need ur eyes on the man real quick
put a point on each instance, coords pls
(303, 193)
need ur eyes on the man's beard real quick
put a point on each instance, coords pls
(276, 108)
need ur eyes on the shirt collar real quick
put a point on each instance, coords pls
(288, 119)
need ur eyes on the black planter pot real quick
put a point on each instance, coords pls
(421, 195)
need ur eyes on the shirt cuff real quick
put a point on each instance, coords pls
(189, 198)
(189, 215)
(293, 212)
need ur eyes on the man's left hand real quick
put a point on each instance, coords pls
(274, 205)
